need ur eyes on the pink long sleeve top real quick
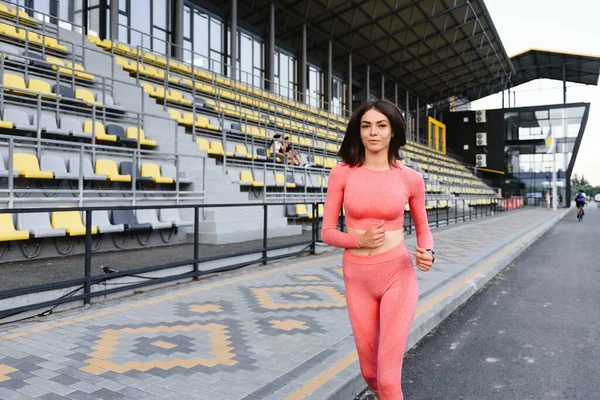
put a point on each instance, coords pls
(370, 196)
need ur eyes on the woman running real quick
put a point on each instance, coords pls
(379, 276)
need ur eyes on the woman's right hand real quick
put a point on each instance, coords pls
(372, 238)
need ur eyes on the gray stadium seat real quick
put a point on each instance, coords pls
(290, 211)
(234, 175)
(149, 216)
(119, 132)
(48, 125)
(270, 179)
(20, 119)
(169, 171)
(127, 218)
(101, 220)
(259, 176)
(109, 102)
(4, 171)
(38, 225)
(260, 154)
(74, 127)
(57, 165)
(300, 179)
(172, 215)
(64, 91)
(88, 170)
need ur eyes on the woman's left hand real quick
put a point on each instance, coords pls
(423, 258)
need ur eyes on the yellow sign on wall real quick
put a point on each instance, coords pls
(436, 135)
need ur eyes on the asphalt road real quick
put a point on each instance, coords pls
(533, 332)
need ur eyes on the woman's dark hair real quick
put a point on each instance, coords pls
(352, 151)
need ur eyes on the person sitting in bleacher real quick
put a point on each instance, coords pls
(277, 148)
(295, 155)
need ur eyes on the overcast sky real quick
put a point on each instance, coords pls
(570, 26)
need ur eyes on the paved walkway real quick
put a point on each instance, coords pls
(276, 332)
(531, 333)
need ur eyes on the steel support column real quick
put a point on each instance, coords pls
(407, 117)
(564, 79)
(396, 94)
(270, 67)
(368, 83)
(382, 86)
(233, 40)
(303, 68)
(177, 24)
(349, 102)
(418, 126)
(114, 20)
(329, 76)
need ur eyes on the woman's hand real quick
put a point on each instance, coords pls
(423, 258)
(373, 238)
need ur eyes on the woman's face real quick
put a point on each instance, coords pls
(375, 131)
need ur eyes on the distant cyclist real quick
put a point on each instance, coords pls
(580, 202)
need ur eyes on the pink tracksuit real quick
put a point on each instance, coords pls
(381, 290)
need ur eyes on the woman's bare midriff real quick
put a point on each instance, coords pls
(392, 239)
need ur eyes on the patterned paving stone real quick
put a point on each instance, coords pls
(259, 333)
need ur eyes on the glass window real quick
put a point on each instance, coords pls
(575, 112)
(200, 39)
(245, 58)
(42, 8)
(187, 51)
(541, 114)
(94, 21)
(123, 24)
(258, 57)
(215, 35)
(140, 25)
(158, 41)
(187, 22)
(122, 5)
(159, 13)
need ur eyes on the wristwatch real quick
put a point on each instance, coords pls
(432, 255)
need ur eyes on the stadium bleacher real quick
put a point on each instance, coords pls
(69, 137)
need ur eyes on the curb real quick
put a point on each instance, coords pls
(347, 385)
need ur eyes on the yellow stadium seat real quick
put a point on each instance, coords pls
(53, 44)
(152, 170)
(302, 211)
(132, 133)
(23, 16)
(87, 96)
(8, 231)
(148, 88)
(175, 114)
(204, 122)
(100, 133)
(213, 147)
(13, 83)
(241, 149)
(71, 222)
(42, 87)
(106, 43)
(27, 166)
(159, 92)
(247, 178)
(187, 119)
(11, 31)
(174, 95)
(80, 72)
(34, 38)
(109, 168)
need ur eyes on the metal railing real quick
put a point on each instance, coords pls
(90, 284)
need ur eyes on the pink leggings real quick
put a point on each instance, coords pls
(381, 294)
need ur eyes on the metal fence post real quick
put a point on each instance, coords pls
(196, 240)
(437, 215)
(87, 290)
(265, 218)
(315, 225)
(456, 211)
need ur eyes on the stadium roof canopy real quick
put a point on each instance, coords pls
(536, 64)
(434, 48)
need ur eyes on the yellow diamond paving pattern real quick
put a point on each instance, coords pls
(265, 297)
